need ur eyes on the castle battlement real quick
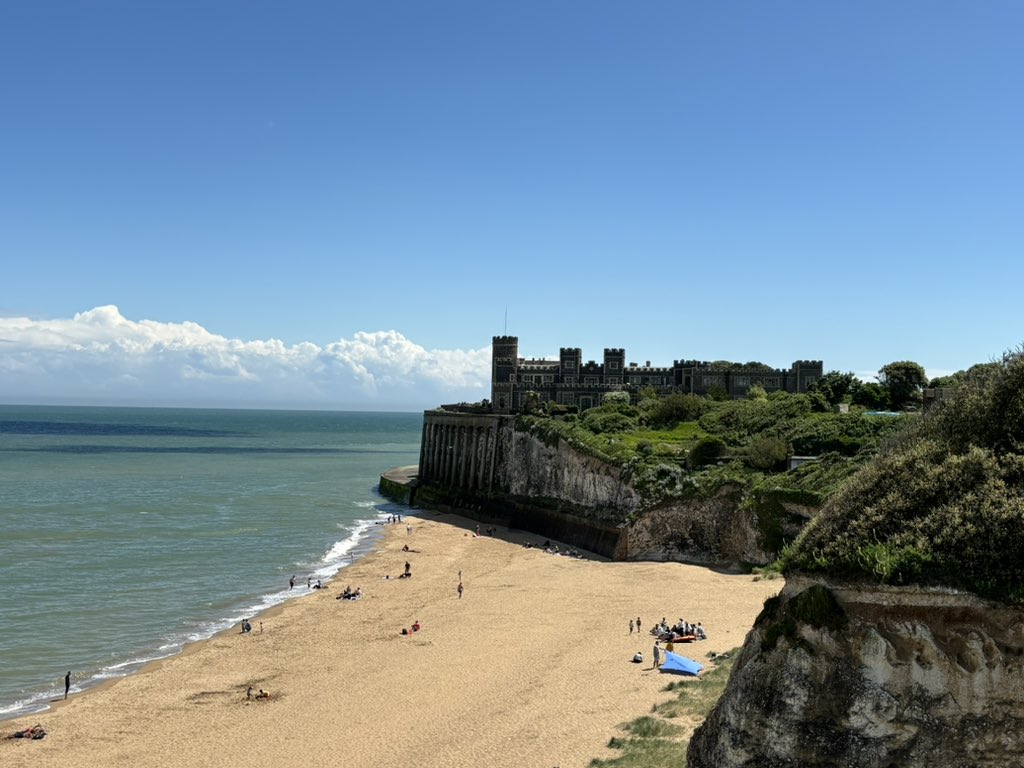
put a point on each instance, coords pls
(571, 381)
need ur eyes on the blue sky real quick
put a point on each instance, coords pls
(337, 204)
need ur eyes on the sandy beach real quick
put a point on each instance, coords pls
(530, 667)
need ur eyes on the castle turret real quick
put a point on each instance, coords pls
(614, 363)
(504, 370)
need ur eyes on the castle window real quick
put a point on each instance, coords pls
(547, 378)
(613, 365)
(742, 381)
(634, 380)
(590, 379)
(614, 380)
(772, 382)
(568, 365)
(512, 378)
(570, 379)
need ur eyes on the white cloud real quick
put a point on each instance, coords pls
(100, 356)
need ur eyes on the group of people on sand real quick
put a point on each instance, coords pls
(350, 594)
(682, 631)
(553, 549)
(249, 695)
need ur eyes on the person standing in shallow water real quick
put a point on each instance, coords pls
(67, 684)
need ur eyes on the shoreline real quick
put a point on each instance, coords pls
(364, 541)
(537, 646)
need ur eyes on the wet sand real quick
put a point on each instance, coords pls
(531, 667)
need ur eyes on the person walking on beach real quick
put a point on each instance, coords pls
(638, 625)
(460, 590)
(67, 684)
(657, 655)
(631, 626)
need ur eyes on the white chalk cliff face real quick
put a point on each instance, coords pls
(835, 674)
(714, 530)
(534, 469)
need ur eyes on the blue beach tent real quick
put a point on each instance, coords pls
(680, 664)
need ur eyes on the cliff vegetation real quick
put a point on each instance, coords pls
(689, 447)
(941, 502)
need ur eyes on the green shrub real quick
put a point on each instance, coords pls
(707, 451)
(675, 409)
(767, 453)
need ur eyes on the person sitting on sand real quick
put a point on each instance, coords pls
(416, 626)
(263, 694)
(35, 732)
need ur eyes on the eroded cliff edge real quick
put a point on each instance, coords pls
(843, 674)
(486, 469)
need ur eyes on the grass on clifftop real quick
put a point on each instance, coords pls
(942, 503)
(711, 444)
(660, 740)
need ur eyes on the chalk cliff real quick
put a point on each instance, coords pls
(534, 469)
(837, 674)
(487, 468)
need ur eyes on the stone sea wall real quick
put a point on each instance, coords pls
(838, 674)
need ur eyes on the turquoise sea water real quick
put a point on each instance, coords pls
(127, 532)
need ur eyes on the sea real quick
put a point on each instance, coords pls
(126, 533)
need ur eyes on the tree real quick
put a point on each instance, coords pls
(873, 396)
(767, 453)
(676, 408)
(904, 381)
(717, 392)
(615, 398)
(836, 387)
(756, 392)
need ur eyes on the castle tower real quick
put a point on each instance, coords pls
(504, 372)
(614, 365)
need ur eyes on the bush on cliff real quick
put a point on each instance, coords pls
(941, 503)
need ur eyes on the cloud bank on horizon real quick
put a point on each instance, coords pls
(100, 357)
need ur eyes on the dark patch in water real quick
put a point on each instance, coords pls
(210, 449)
(116, 430)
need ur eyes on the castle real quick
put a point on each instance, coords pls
(570, 381)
